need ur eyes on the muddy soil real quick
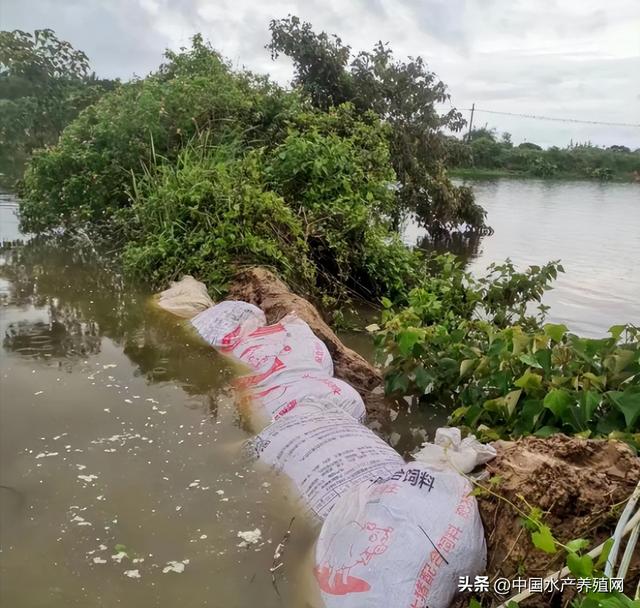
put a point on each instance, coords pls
(581, 485)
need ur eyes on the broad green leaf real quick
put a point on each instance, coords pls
(408, 339)
(628, 402)
(422, 378)
(546, 431)
(616, 331)
(543, 539)
(558, 401)
(466, 366)
(529, 381)
(604, 556)
(580, 565)
(511, 400)
(530, 360)
(543, 357)
(555, 331)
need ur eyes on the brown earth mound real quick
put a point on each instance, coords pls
(261, 287)
(578, 483)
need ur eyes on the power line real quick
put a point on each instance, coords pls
(574, 120)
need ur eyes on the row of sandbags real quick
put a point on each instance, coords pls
(393, 534)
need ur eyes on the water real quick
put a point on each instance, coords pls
(593, 228)
(118, 429)
(95, 383)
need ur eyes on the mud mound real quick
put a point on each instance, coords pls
(576, 482)
(261, 287)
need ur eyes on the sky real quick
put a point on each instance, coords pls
(577, 59)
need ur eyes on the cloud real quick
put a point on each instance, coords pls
(573, 58)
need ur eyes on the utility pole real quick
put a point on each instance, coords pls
(473, 107)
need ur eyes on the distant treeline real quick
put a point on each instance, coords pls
(483, 152)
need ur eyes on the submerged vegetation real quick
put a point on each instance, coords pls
(483, 153)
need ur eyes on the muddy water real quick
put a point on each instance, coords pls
(118, 434)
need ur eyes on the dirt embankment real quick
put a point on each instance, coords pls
(261, 287)
(579, 484)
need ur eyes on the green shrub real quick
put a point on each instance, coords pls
(208, 213)
(472, 346)
(85, 177)
(313, 207)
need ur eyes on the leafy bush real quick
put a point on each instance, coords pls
(313, 207)
(405, 95)
(473, 346)
(484, 151)
(44, 84)
(84, 179)
(208, 213)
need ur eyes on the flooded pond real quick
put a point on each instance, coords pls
(121, 476)
(592, 227)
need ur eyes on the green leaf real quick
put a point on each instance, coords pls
(604, 556)
(546, 431)
(616, 331)
(408, 338)
(558, 401)
(511, 400)
(530, 360)
(543, 539)
(555, 331)
(466, 366)
(628, 402)
(422, 378)
(529, 381)
(580, 565)
(577, 545)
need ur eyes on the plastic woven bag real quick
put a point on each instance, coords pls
(289, 346)
(325, 452)
(225, 324)
(403, 541)
(288, 391)
(185, 298)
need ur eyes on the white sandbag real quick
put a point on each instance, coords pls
(226, 323)
(288, 346)
(450, 451)
(185, 298)
(324, 451)
(402, 541)
(288, 391)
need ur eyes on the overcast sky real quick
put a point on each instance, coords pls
(563, 58)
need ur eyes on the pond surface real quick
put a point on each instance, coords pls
(593, 228)
(119, 435)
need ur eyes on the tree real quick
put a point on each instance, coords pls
(405, 95)
(44, 84)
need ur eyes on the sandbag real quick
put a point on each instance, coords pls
(185, 298)
(286, 392)
(288, 346)
(401, 541)
(226, 323)
(324, 451)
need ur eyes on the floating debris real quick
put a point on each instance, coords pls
(173, 566)
(250, 537)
